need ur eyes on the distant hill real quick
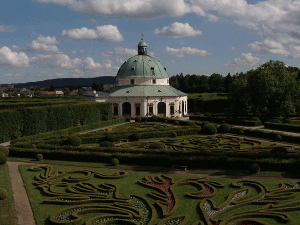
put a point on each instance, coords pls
(68, 82)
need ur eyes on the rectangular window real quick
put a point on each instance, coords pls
(116, 110)
(172, 109)
(150, 109)
(137, 111)
(154, 81)
(132, 81)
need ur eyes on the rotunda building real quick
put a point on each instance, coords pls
(143, 89)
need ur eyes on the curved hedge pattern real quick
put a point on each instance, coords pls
(84, 198)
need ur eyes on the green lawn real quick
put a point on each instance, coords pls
(214, 189)
(8, 214)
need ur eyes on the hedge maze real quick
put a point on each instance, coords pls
(81, 198)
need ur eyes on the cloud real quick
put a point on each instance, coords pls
(178, 30)
(5, 28)
(63, 61)
(15, 48)
(136, 9)
(246, 59)
(184, 51)
(8, 58)
(268, 47)
(120, 51)
(102, 33)
(42, 44)
(73, 52)
(294, 51)
(284, 38)
(82, 52)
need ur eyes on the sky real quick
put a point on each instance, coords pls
(48, 39)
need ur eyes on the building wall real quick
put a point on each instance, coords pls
(143, 81)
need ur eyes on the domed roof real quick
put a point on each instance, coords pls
(142, 66)
(142, 44)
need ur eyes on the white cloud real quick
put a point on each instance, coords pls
(15, 48)
(178, 30)
(283, 38)
(102, 33)
(126, 8)
(267, 47)
(82, 52)
(5, 28)
(233, 48)
(246, 59)
(8, 58)
(119, 61)
(120, 51)
(294, 51)
(184, 51)
(152, 54)
(42, 44)
(73, 52)
(89, 64)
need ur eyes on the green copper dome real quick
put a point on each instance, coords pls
(142, 66)
(142, 44)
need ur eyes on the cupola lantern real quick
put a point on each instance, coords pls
(142, 48)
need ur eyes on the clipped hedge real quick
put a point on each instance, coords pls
(5, 150)
(3, 158)
(242, 122)
(283, 126)
(35, 120)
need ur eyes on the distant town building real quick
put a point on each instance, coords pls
(143, 89)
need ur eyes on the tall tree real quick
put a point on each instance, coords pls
(66, 91)
(216, 83)
(51, 87)
(98, 86)
(227, 82)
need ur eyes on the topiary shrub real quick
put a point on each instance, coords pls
(154, 118)
(157, 145)
(276, 121)
(205, 123)
(138, 119)
(3, 158)
(255, 119)
(224, 128)
(190, 123)
(114, 162)
(278, 137)
(176, 122)
(106, 144)
(73, 140)
(255, 168)
(39, 157)
(174, 134)
(207, 114)
(134, 137)
(279, 150)
(197, 114)
(33, 146)
(127, 119)
(3, 194)
(209, 129)
(241, 132)
(109, 137)
(287, 120)
(5, 150)
(165, 121)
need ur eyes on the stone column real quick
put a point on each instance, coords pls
(132, 109)
(120, 108)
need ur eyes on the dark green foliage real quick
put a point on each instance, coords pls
(207, 114)
(5, 150)
(255, 168)
(283, 126)
(11, 125)
(209, 129)
(145, 119)
(106, 144)
(276, 121)
(198, 114)
(115, 162)
(73, 140)
(242, 122)
(287, 120)
(154, 118)
(109, 137)
(33, 146)
(205, 123)
(165, 121)
(223, 158)
(278, 137)
(157, 145)
(138, 119)
(176, 122)
(174, 134)
(135, 137)
(128, 119)
(240, 132)
(280, 150)
(224, 128)
(3, 158)
(190, 123)
(3, 194)
(39, 157)
(255, 119)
